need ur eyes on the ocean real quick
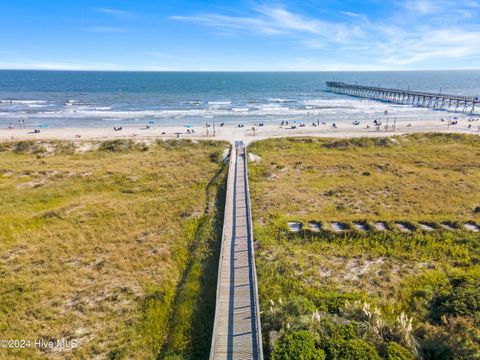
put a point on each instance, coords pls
(102, 99)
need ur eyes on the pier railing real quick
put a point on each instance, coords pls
(457, 103)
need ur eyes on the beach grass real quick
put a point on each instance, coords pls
(110, 244)
(364, 287)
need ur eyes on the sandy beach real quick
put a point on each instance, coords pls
(230, 132)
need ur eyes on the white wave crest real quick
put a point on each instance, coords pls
(219, 102)
(26, 102)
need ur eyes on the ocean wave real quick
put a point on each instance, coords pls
(102, 108)
(25, 102)
(219, 102)
(332, 108)
(37, 105)
(281, 100)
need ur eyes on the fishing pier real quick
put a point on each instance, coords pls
(439, 101)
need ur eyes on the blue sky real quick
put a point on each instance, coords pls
(290, 35)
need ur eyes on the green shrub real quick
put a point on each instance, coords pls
(329, 329)
(115, 145)
(458, 339)
(299, 345)
(65, 148)
(358, 349)
(462, 299)
(397, 352)
(117, 354)
(215, 156)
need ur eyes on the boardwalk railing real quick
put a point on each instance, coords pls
(237, 328)
(258, 324)
(460, 103)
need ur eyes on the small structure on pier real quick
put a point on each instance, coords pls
(457, 103)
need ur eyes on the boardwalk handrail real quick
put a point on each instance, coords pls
(258, 324)
(219, 274)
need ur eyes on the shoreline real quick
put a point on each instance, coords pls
(231, 132)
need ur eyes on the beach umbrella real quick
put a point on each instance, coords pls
(151, 121)
(188, 126)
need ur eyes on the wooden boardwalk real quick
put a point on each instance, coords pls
(237, 331)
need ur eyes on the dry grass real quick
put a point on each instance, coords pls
(94, 242)
(417, 177)
(411, 178)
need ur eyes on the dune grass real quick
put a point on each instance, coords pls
(111, 245)
(356, 292)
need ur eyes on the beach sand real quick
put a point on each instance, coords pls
(231, 133)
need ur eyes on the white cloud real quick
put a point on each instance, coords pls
(422, 6)
(225, 23)
(396, 40)
(117, 13)
(273, 20)
(61, 65)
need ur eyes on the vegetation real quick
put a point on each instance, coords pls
(113, 245)
(298, 345)
(374, 294)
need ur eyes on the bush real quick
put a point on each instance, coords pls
(115, 145)
(358, 349)
(23, 146)
(299, 345)
(215, 156)
(462, 299)
(458, 339)
(397, 352)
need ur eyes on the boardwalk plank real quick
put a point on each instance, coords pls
(237, 333)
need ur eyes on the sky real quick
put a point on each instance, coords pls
(289, 35)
